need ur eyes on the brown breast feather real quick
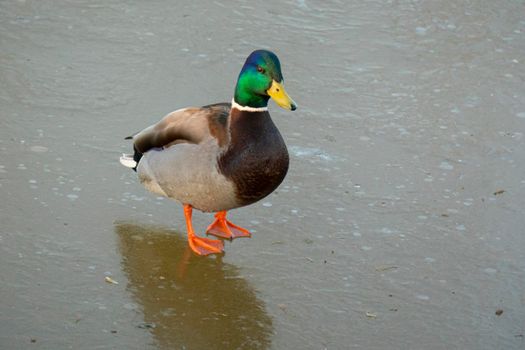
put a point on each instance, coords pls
(257, 159)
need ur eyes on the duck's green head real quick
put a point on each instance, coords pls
(260, 79)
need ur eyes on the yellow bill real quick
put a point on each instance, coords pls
(279, 95)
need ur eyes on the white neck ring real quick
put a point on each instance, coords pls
(248, 108)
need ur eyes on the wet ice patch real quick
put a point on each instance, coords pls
(421, 30)
(130, 196)
(310, 153)
(446, 165)
(472, 101)
(386, 231)
(302, 4)
(38, 149)
(131, 306)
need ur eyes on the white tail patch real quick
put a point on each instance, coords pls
(128, 161)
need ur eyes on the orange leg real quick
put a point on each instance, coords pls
(225, 229)
(200, 245)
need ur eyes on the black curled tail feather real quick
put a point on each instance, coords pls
(131, 161)
(136, 156)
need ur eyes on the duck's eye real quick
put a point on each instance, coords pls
(260, 69)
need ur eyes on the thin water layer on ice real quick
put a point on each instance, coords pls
(398, 226)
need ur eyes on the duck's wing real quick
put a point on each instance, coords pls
(187, 125)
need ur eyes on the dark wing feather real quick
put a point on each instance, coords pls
(188, 125)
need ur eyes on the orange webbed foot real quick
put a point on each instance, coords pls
(205, 246)
(201, 245)
(225, 229)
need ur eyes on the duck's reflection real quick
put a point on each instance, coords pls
(190, 302)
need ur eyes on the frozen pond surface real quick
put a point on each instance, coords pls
(400, 224)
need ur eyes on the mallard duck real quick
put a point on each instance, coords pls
(221, 156)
